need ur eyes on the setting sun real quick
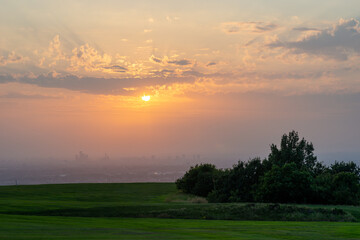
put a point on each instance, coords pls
(145, 98)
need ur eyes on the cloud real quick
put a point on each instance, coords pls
(6, 78)
(94, 85)
(53, 54)
(304, 29)
(338, 42)
(116, 68)
(255, 27)
(165, 60)
(25, 96)
(163, 72)
(193, 73)
(88, 58)
(172, 19)
(167, 71)
(12, 57)
(182, 62)
(54, 50)
(83, 57)
(154, 59)
(211, 64)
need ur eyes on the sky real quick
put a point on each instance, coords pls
(225, 78)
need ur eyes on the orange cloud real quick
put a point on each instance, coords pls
(89, 59)
(12, 57)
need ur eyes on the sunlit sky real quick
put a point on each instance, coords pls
(225, 78)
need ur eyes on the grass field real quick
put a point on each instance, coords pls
(30, 198)
(34, 227)
(107, 211)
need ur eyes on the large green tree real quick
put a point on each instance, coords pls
(293, 150)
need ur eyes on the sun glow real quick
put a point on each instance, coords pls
(145, 98)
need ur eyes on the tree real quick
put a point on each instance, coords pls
(285, 184)
(322, 189)
(345, 189)
(223, 186)
(291, 174)
(337, 185)
(293, 150)
(239, 183)
(349, 167)
(199, 180)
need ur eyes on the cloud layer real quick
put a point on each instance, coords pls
(338, 42)
(263, 57)
(94, 85)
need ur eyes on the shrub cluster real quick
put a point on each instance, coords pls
(290, 174)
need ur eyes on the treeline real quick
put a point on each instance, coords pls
(290, 174)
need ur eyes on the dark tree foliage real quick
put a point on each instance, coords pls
(223, 187)
(285, 184)
(345, 189)
(199, 180)
(291, 174)
(338, 184)
(293, 150)
(239, 183)
(322, 188)
(349, 167)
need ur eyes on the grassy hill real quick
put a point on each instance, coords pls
(137, 211)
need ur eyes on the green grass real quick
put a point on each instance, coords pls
(35, 227)
(83, 211)
(35, 198)
(125, 193)
(160, 200)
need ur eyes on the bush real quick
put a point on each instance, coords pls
(199, 180)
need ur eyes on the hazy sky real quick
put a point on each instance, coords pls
(224, 77)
